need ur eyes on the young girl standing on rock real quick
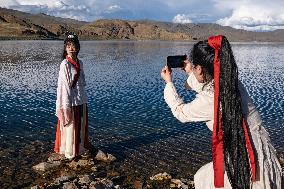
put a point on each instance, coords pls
(71, 103)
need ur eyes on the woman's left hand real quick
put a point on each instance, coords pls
(166, 74)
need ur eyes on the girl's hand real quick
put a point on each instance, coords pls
(166, 74)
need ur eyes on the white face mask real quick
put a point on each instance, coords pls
(194, 83)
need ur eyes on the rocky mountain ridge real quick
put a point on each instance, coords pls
(20, 25)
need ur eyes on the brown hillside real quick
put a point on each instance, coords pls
(19, 25)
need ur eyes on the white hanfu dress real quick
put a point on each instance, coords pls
(202, 108)
(71, 108)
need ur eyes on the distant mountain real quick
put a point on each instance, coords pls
(19, 25)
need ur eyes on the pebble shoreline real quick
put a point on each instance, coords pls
(93, 170)
(96, 172)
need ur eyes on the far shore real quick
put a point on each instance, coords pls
(19, 38)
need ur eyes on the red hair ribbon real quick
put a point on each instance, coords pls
(217, 137)
(76, 65)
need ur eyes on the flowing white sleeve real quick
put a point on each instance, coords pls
(200, 109)
(63, 101)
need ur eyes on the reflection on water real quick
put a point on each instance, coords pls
(128, 115)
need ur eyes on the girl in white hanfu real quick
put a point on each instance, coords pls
(243, 156)
(71, 103)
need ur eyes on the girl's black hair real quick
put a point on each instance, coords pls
(71, 38)
(236, 158)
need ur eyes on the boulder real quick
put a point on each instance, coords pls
(45, 166)
(101, 156)
(161, 176)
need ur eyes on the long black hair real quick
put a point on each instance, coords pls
(236, 158)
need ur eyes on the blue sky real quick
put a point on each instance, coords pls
(244, 14)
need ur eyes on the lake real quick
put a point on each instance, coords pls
(127, 113)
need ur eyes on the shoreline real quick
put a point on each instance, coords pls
(89, 170)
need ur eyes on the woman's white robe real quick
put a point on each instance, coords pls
(72, 127)
(202, 109)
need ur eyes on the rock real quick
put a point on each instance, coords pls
(101, 156)
(56, 157)
(183, 186)
(177, 182)
(85, 180)
(161, 176)
(73, 165)
(84, 162)
(102, 184)
(80, 163)
(110, 157)
(190, 184)
(137, 184)
(69, 185)
(35, 187)
(93, 183)
(184, 180)
(45, 166)
(75, 181)
(53, 186)
(64, 178)
(94, 169)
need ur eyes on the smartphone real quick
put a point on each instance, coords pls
(176, 61)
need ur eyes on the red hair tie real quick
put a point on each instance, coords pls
(217, 136)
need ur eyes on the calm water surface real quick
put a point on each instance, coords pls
(128, 116)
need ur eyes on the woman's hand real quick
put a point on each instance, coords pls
(65, 116)
(166, 74)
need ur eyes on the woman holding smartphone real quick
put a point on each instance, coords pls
(243, 156)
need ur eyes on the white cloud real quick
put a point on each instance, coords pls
(8, 3)
(182, 18)
(254, 14)
(62, 8)
(113, 8)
